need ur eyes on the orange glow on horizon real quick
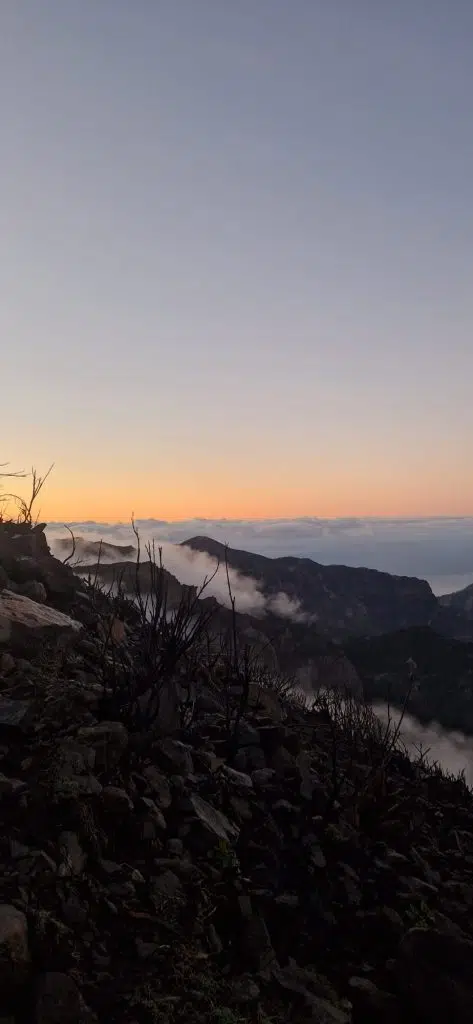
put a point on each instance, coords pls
(103, 513)
(337, 496)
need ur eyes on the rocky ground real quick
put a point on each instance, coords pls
(282, 866)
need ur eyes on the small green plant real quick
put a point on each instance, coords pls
(224, 1015)
(225, 857)
(420, 916)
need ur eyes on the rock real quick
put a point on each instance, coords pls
(153, 813)
(213, 823)
(14, 949)
(10, 787)
(373, 1004)
(315, 994)
(108, 740)
(7, 663)
(317, 857)
(159, 786)
(35, 590)
(26, 625)
(116, 800)
(58, 1001)
(175, 847)
(167, 884)
(262, 777)
(74, 857)
(15, 714)
(237, 780)
(174, 756)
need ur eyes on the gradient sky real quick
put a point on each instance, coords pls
(236, 255)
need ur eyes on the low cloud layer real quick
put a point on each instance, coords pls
(439, 550)
(452, 750)
(188, 566)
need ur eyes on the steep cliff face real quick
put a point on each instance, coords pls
(343, 601)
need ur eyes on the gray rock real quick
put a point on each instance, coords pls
(262, 777)
(25, 625)
(175, 847)
(371, 1001)
(167, 885)
(116, 800)
(15, 714)
(154, 813)
(174, 756)
(237, 780)
(10, 787)
(74, 858)
(215, 824)
(159, 786)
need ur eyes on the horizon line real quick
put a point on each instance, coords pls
(110, 520)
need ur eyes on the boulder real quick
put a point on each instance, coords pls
(25, 625)
(174, 756)
(213, 823)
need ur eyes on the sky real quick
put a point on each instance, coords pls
(236, 254)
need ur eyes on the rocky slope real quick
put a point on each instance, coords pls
(275, 865)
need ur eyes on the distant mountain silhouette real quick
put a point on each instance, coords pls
(344, 600)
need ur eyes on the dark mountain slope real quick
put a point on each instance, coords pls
(345, 601)
(440, 682)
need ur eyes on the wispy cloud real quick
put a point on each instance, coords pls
(188, 566)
